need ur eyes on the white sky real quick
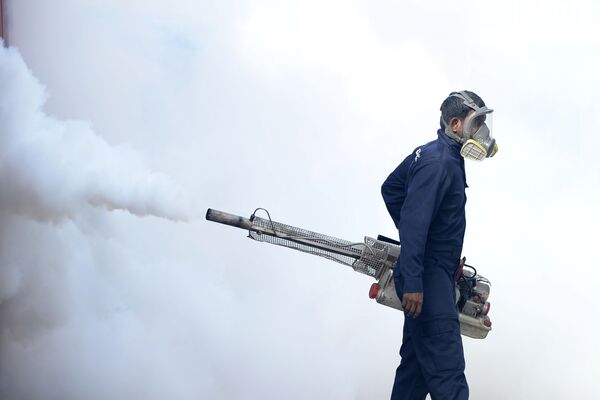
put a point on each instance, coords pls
(304, 108)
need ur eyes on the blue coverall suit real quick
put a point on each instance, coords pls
(425, 195)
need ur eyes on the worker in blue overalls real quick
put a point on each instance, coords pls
(425, 196)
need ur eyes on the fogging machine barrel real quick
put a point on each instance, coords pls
(260, 229)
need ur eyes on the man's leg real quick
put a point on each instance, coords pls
(436, 336)
(439, 349)
(409, 383)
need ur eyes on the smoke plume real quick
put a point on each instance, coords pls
(57, 180)
(53, 169)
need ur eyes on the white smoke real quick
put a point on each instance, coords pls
(58, 307)
(50, 169)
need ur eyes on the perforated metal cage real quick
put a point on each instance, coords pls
(374, 258)
(367, 258)
(342, 251)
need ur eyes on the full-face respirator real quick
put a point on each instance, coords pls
(477, 141)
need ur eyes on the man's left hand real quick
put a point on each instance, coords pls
(412, 304)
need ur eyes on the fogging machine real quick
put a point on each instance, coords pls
(373, 257)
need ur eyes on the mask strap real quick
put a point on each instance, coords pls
(467, 100)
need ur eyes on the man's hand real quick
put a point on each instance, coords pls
(412, 304)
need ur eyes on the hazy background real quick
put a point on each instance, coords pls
(303, 108)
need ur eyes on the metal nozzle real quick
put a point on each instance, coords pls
(228, 219)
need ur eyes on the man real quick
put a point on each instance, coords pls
(425, 196)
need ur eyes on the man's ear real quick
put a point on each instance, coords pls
(455, 124)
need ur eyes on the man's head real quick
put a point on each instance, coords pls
(454, 111)
(463, 119)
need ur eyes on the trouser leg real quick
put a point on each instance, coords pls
(433, 347)
(438, 343)
(438, 347)
(409, 383)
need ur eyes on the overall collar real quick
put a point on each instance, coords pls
(453, 144)
(454, 147)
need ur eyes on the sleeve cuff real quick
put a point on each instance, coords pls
(413, 285)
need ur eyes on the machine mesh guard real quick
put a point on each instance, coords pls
(364, 258)
(373, 260)
(285, 235)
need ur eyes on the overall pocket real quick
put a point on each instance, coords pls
(441, 345)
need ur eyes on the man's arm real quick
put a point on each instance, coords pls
(393, 189)
(425, 191)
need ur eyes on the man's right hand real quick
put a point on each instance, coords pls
(412, 303)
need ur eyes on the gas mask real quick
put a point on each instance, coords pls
(477, 141)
